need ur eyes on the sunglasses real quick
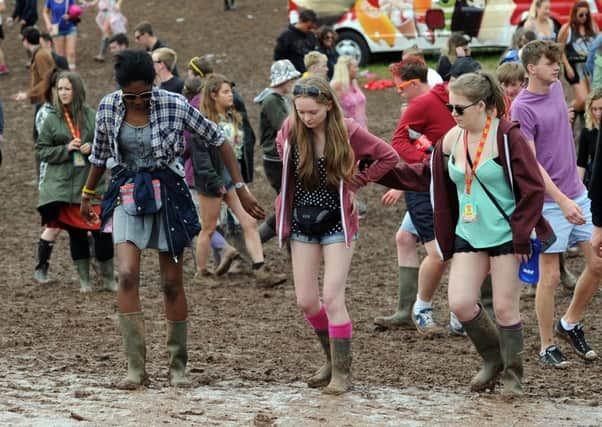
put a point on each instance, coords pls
(300, 90)
(131, 97)
(460, 108)
(329, 38)
(407, 83)
(583, 15)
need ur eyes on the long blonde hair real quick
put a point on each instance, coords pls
(213, 83)
(341, 72)
(340, 160)
(589, 116)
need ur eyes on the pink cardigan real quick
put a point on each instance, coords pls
(365, 146)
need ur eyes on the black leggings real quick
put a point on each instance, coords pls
(80, 247)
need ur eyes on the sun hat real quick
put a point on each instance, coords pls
(282, 71)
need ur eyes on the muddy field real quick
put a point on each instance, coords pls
(249, 348)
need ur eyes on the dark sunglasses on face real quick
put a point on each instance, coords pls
(583, 15)
(460, 108)
(131, 97)
(312, 91)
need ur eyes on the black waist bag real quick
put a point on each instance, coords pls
(315, 220)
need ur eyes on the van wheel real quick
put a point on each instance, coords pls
(352, 44)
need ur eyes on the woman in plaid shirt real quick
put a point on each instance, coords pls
(139, 132)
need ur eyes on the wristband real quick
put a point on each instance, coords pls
(89, 192)
(239, 185)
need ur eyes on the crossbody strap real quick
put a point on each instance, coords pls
(491, 197)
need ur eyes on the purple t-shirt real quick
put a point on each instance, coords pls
(544, 119)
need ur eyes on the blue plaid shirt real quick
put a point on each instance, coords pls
(170, 114)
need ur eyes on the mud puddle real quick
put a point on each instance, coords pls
(70, 401)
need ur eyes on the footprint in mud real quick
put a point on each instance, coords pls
(264, 420)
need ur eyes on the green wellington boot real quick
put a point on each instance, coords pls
(511, 343)
(408, 288)
(340, 353)
(322, 376)
(132, 331)
(177, 337)
(108, 275)
(82, 266)
(484, 335)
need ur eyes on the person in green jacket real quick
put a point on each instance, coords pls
(63, 147)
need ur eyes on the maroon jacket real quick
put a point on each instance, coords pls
(364, 145)
(522, 174)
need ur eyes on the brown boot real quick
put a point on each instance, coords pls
(340, 353)
(132, 331)
(177, 336)
(483, 333)
(264, 278)
(229, 255)
(322, 376)
(511, 341)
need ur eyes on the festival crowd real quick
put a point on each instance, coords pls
(494, 186)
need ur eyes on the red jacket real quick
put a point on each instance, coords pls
(365, 146)
(522, 174)
(427, 115)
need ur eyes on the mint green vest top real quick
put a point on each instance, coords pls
(490, 228)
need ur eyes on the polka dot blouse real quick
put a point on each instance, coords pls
(321, 196)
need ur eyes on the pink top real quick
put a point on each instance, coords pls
(353, 102)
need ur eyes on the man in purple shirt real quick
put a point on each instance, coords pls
(542, 112)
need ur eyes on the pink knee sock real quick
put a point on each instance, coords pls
(318, 321)
(341, 331)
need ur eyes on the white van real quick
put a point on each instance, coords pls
(365, 27)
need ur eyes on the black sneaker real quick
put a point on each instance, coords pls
(552, 356)
(577, 339)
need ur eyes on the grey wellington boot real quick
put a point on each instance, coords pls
(483, 333)
(408, 288)
(107, 272)
(82, 266)
(132, 331)
(322, 376)
(511, 341)
(177, 338)
(340, 353)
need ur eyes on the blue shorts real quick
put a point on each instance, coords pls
(67, 32)
(408, 225)
(228, 183)
(567, 234)
(420, 212)
(326, 239)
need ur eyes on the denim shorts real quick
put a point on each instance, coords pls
(325, 239)
(228, 183)
(68, 32)
(567, 234)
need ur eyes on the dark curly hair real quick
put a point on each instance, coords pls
(134, 65)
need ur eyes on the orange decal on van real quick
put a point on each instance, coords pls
(375, 23)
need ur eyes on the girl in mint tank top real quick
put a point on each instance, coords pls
(483, 237)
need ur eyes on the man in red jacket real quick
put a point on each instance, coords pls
(424, 121)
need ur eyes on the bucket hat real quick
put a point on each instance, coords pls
(282, 71)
